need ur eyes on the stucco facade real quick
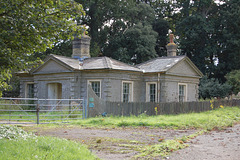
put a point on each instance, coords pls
(70, 83)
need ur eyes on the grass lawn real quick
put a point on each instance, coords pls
(18, 144)
(221, 117)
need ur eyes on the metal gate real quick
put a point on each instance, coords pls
(33, 110)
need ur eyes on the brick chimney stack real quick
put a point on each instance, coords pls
(171, 47)
(81, 47)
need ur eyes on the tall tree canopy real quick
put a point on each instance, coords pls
(208, 33)
(112, 24)
(196, 32)
(132, 38)
(28, 26)
(206, 30)
(133, 31)
(135, 45)
(228, 38)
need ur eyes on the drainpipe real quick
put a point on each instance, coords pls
(158, 88)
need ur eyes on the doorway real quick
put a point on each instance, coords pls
(54, 91)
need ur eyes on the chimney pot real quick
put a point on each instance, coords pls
(171, 36)
(171, 47)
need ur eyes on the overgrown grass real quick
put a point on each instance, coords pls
(14, 146)
(221, 117)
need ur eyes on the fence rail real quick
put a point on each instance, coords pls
(32, 110)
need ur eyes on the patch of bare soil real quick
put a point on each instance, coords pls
(117, 144)
(216, 145)
(123, 143)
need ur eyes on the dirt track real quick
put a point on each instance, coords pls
(121, 143)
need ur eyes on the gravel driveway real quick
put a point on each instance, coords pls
(216, 145)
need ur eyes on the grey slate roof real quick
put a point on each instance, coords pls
(96, 63)
(161, 64)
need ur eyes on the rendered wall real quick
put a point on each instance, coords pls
(170, 86)
(111, 84)
(66, 80)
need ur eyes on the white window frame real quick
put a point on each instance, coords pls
(185, 93)
(130, 90)
(148, 91)
(27, 91)
(96, 80)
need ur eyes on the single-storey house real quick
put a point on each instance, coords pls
(163, 79)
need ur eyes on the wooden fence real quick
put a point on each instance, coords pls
(99, 106)
(137, 108)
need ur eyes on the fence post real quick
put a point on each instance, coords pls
(85, 107)
(37, 112)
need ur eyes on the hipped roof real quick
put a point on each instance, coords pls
(164, 64)
(95, 63)
(160, 64)
(157, 65)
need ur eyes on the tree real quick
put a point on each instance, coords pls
(209, 34)
(194, 34)
(228, 38)
(28, 26)
(63, 48)
(132, 38)
(233, 79)
(211, 88)
(99, 15)
(161, 26)
(136, 45)
(109, 21)
(196, 31)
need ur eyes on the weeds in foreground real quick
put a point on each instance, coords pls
(165, 148)
(18, 144)
(13, 133)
